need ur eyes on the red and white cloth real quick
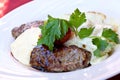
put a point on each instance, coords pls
(8, 5)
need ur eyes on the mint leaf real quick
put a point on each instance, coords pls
(85, 32)
(77, 18)
(53, 30)
(110, 35)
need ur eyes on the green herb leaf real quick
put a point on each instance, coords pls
(85, 32)
(110, 35)
(53, 30)
(56, 29)
(97, 53)
(64, 25)
(101, 46)
(77, 18)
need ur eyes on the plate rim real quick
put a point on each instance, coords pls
(33, 2)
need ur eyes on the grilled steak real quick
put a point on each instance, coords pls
(60, 60)
(18, 30)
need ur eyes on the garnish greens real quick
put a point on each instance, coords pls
(101, 46)
(77, 18)
(109, 37)
(56, 29)
(85, 32)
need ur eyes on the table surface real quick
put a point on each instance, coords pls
(8, 5)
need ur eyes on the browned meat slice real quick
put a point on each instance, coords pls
(18, 30)
(60, 60)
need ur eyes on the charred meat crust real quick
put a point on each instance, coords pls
(62, 59)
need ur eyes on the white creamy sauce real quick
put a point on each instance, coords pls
(81, 42)
(21, 48)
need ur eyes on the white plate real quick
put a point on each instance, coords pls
(10, 69)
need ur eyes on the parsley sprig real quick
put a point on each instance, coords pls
(108, 36)
(77, 18)
(85, 32)
(101, 46)
(56, 29)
